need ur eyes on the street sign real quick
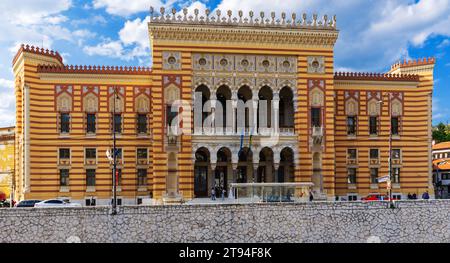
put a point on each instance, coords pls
(383, 179)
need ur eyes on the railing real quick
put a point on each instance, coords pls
(287, 131)
(228, 131)
(270, 192)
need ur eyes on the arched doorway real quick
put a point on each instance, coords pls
(265, 172)
(222, 170)
(172, 176)
(201, 167)
(317, 173)
(244, 173)
(286, 170)
(286, 114)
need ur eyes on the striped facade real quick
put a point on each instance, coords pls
(44, 85)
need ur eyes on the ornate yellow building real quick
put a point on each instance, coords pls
(331, 129)
(6, 161)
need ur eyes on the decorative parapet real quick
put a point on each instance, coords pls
(207, 18)
(94, 69)
(281, 32)
(38, 51)
(375, 76)
(413, 63)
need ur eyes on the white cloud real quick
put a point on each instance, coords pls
(107, 48)
(373, 34)
(6, 83)
(94, 20)
(7, 107)
(118, 7)
(133, 43)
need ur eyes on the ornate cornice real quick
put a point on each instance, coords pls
(38, 51)
(94, 70)
(375, 76)
(413, 63)
(203, 29)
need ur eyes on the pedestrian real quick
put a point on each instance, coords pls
(426, 196)
(311, 197)
(223, 194)
(213, 194)
(410, 197)
(414, 196)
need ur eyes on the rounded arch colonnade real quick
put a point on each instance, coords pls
(217, 167)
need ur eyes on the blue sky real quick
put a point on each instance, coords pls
(373, 34)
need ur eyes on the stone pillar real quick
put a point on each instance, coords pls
(213, 99)
(276, 109)
(255, 171)
(234, 99)
(276, 166)
(255, 103)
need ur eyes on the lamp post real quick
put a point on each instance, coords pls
(114, 179)
(381, 102)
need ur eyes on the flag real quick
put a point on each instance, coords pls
(242, 143)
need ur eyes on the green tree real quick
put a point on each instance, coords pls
(441, 133)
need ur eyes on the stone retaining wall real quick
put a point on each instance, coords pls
(411, 221)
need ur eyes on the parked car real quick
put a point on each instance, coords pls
(56, 203)
(27, 203)
(4, 203)
(377, 197)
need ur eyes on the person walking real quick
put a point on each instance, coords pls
(213, 194)
(223, 194)
(311, 196)
(426, 196)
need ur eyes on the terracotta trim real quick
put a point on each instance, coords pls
(413, 63)
(375, 76)
(38, 51)
(94, 69)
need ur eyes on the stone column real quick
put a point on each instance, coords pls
(276, 109)
(255, 112)
(276, 166)
(213, 99)
(255, 171)
(234, 99)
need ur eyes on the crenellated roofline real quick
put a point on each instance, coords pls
(94, 69)
(38, 51)
(413, 63)
(376, 76)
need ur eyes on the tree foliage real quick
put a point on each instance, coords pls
(441, 133)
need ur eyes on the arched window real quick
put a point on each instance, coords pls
(286, 114)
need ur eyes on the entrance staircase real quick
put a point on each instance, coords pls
(172, 199)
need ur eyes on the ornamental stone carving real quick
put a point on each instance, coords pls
(171, 60)
(287, 64)
(266, 64)
(316, 64)
(90, 103)
(396, 108)
(202, 61)
(64, 103)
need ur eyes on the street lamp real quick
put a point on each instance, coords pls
(114, 156)
(389, 182)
